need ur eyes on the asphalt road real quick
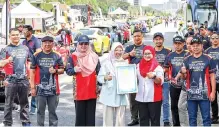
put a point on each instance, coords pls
(66, 108)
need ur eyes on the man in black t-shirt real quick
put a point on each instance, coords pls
(161, 54)
(45, 67)
(172, 65)
(16, 83)
(134, 53)
(199, 71)
(213, 51)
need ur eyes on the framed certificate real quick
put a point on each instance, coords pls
(126, 79)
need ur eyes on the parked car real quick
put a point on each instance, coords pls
(107, 30)
(99, 41)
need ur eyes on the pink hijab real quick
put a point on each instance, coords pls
(86, 61)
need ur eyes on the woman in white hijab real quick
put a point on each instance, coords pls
(108, 96)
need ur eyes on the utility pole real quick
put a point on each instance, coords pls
(7, 19)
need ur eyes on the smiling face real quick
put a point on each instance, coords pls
(197, 48)
(148, 55)
(47, 46)
(83, 46)
(14, 36)
(138, 37)
(158, 41)
(118, 52)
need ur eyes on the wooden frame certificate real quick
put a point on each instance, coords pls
(126, 79)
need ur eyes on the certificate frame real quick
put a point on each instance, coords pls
(126, 75)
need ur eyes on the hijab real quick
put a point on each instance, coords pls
(148, 66)
(112, 59)
(87, 61)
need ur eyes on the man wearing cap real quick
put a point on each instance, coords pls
(45, 67)
(204, 37)
(161, 54)
(14, 58)
(210, 31)
(34, 45)
(172, 65)
(134, 54)
(84, 65)
(199, 72)
(213, 51)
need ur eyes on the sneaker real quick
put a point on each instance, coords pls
(5, 125)
(26, 124)
(167, 124)
(214, 121)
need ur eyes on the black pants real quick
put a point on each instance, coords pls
(174, 95)
(85, 112)
(214, 104)
(133, 106)
(20, 88)
(149, 113)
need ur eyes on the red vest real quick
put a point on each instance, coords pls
(85, 86)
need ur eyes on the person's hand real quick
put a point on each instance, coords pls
(150, 75)
(212, 96)
(173, 81)
(10, 59)
(33, 92)
(108, 77)
(183, 70)
(77, 69)
(5, 83)
(133, 52)
(52, 70)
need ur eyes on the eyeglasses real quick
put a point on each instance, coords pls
(147, 54)
(214, 38)
(83, 43)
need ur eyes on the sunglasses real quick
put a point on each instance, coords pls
(83, 43)
(214, 38)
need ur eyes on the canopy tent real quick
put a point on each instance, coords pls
(27, 10)
(119, 11)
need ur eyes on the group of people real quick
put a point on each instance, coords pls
(32, 67)
(189, 77)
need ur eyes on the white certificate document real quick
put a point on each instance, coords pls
(126, 79)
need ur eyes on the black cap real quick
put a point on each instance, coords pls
(47, 38)
(210, 29)
(202, 27)
(178, 39)
(158, 34)
(196, 40)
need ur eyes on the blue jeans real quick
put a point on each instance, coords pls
(205, 112)
(166, 106)
(33, 105)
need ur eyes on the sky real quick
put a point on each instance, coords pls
(145, 2)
